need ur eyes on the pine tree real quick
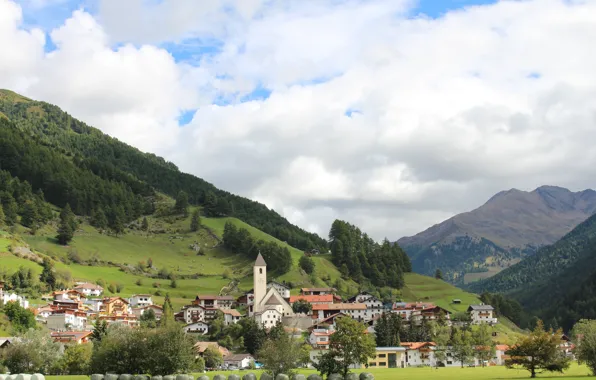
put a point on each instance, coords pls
(98, 219)
(210, 204)
(167, 316)
(195, 222)
(10, 211)
(438, 274)
(67, 226)
(1, 215)
(48, 276)
(30, 216)
(182, 203)
(145, 224)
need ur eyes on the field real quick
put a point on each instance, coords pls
(452, 373)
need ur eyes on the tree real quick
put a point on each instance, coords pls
(10, 211)
(349, 345)
(148, 319)
(302, 306)
(441, 337)
(307, 264)
(438, 274)
(100, 330)
(21, 319)
(29, 216)
(213, 358)
(195, 221)
(462, 344)
(48, 276)
(181, 206)
(2, 222)
(145, 224)
(254, 335)
(584, 337)
(485, 347)
(281, 354)
(210, 204)
(67, 225)
(35, 352)
(167, 316)
(170, 351)
(98, 219)
(75, 361)
(538, 351)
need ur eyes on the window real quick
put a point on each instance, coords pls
(260, 270)
(382, 355)
(382, 364)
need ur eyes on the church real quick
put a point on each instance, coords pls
(268, 307)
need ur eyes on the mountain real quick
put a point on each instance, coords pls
(509, 226)
(558, 282)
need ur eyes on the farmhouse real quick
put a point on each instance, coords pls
(405, 310)
(354, 310)
(199, 328)
(158, 310)
(89, 289)
(200, 348)
(238, 360)
(61, 320)
(140, 300)
(320, 336)
(214, 302)
(482, 314)
(373, 304)
(114, 306)
(317, 291)
(314, 300)
(231, 316)
(78, 337)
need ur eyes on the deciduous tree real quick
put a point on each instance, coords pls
(195, 221)
(463, 345)
(584, 337)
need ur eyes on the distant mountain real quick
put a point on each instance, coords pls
(558, 283)
(511, 225)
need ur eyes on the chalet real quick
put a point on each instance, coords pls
(62, 320)
(122, 319)
(354, 310)
(430, 314)
(419, 354)
(482, 314)
(13, 297)
(115, 306)
(89, 289)
(373, 304)
(214, 302)
(140, 300)
(198, 328)
(500, 354)
(314, 300)
(200, 348)
(329, 321)
(193, 313)
(317, 291)
(231, 316)
(405, 310)
(320, 336)
(78, 337)
(238, 360)
(269, 317)
(158, 310)
(388, 357)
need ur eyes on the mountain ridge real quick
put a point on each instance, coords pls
(516, 222)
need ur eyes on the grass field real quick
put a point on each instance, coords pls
(452, 373)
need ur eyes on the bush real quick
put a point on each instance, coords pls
(112, 288)
(156, 285)
(139, 282)
(307, 264)
(119, 288)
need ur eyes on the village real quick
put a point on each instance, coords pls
(70, 316)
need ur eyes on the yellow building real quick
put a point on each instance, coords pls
(114, 306)
(388, 357)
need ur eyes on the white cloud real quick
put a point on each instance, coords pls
(447, 111)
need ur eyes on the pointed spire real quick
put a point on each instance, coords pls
(260, 261)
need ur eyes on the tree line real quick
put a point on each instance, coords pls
(114, 161)
(361, 258)
(239, 240)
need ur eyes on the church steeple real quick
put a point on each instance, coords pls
(260, 282)
(260, 262)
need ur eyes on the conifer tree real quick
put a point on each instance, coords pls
(181, 203)
(30, 216)
(48, 276)
(167, 316)
(98, 219)
(195, 222)
(1, 215)
(10, 211)
(145, 224)
(67, 226)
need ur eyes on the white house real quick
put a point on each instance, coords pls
(269, 317)
(354, 310)
(282, 289)
(94, 304)
(89, 289)
(193, 313)
(419, 354)
(482, 314)
(373, 304)
(140, 300)
(238, 360)
(13, 297)
(200, 328)
(62, 320)
(231, 316)
(320, 336)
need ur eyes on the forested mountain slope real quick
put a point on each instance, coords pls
(511, 225)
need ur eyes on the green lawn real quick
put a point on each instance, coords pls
(452, 373)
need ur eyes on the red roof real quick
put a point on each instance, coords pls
(339, 306)
(325, 298)
(416, 345)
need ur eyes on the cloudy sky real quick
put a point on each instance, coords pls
(391, 114)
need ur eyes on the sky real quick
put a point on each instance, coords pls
(393, 115)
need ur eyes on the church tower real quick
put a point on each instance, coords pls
(260, 282)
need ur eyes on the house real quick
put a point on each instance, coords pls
(13, 297)
(199, 328)
(329, 321)
(214, 302)
(94, 304)
(200, 348)
(238, 360)
(89, 289)
(122, 319)
(373, 304)
(140, 300)
(265, 300)
(482, 314)
(354, 310)
(430, 314)
(193, 313)
(500, 354)
(269, 317)
(231, 316)
(158, 310)
(419, 354)
(248, 298)
(320, 336)
(115, 306)
(62, 320)
(388, 357)
(317, 291)
(78, 337)
(405, 310)
(314, 300)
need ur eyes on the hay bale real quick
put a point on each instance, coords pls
(39, 376)
(23, 376)
(139, 377)
(249, 376)
(299, 377)
(111, 376)
(97, 376)
(314, 377)
(266, 376)
(281, 376)
(125, 377)
(366, 376)
(203, 377)
(169, 377)
(352, 376)
(335, 376)
(181, 377)
(219, 377)
(156, 377)
(233, 377)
